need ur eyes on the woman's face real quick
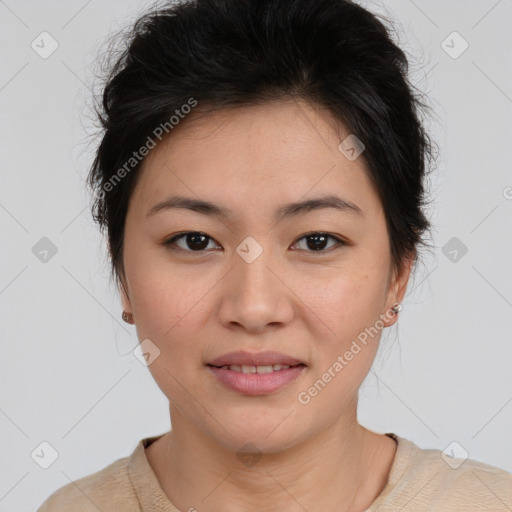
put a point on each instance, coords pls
(252, 280)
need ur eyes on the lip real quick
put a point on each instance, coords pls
(245, 358)
(257, 383)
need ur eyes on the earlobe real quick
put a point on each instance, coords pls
(127, 316)
(125, 301)
(397, 293)
(122, 288)
(397, 307)
(391, 314)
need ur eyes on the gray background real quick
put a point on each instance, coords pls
(68, 376)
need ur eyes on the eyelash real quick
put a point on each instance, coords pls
(340, 242)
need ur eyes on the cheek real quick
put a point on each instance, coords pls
(351, 306)
(169, 310)
(165, 298)
(346, 299)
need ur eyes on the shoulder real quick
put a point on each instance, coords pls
(434, 481)
(107, 490)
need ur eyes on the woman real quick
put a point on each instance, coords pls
(261, 180)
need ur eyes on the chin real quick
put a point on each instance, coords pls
(268, 434)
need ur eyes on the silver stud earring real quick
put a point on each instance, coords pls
(397, 307)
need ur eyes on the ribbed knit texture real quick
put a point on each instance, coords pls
(419, 481)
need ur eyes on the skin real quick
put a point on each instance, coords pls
(308, 304)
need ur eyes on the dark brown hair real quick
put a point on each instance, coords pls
(228, 53)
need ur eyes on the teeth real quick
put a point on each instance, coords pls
(264, 369)
(255, 369)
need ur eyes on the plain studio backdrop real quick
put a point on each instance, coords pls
(74, 398)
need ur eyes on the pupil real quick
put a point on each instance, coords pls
(319, 241)
(199, 245)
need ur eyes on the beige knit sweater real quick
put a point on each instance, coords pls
(420, 481)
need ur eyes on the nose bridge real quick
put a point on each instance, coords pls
(253, 262)
(255, 296)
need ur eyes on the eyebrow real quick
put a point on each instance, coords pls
(284, 211)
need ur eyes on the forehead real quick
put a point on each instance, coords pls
(255, 157)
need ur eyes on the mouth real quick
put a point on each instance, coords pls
(256, 373)
(260, 369)
(264, 378)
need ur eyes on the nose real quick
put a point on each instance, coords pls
(255, 296)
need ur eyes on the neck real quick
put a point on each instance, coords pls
(342, 468)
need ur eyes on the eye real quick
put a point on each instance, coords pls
(316, 241)
(196, 241)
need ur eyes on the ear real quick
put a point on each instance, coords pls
(397, 289)
(125, 300)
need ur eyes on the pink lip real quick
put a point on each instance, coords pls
(257, 383)
(266, 358)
